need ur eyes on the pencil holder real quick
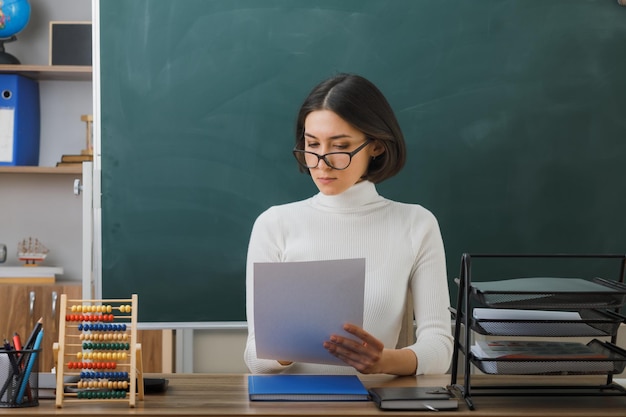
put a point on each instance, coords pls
(19, 378)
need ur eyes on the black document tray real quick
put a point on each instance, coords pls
(613, 362)
(550, 293)
(591, 323)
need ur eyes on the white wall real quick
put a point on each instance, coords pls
(219, 351)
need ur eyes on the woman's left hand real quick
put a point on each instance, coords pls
(364, 352)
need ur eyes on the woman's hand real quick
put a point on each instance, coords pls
(364, 352)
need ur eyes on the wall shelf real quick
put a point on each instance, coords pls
(50, 72)
(77, 170)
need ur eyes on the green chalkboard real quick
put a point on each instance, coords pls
(514, 113)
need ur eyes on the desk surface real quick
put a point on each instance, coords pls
(211, 395)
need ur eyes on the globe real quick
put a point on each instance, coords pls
(14, 16)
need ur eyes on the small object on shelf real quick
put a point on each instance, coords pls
(70, 43)
(74, 159)
(14, 16)
(31, 251)
(86, 155)
(19, 120)
(88, 119)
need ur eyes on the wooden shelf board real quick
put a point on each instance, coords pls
(78, 169)
(51, 72)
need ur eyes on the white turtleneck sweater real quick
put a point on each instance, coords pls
(402, 247)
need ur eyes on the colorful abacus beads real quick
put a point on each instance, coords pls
(91, 309)
(104, 336)
(117, 356)
(92, 365)
(106, 346)
(93, 318)
(101, 327)
(100, 395)
(100, 308)
(118, 375)
(102, 384)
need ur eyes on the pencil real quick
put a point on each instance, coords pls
(31, 339)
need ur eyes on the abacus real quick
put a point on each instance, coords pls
(98, 344)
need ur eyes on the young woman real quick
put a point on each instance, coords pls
(348, 140)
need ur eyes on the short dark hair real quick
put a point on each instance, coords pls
(360, 103)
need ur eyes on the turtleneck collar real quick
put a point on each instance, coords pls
(361, 194)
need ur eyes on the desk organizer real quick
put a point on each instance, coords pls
(98, 346)
(18, 378)
(515, 307)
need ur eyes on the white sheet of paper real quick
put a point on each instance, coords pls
(298, 305)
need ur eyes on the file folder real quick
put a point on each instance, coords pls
(301, 387)
(19, 120)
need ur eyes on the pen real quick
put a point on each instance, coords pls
(17, 343)
(31, 362)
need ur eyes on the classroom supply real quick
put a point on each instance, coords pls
(306, 388)
(98, 346)
(19, 120)
(32, 359)
(413, 398)
(17, 341)
(552, 292)
(16, 381)
(519, 322)
(561, 296)
(323, 296)
(70, 43)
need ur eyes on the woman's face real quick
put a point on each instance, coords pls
(324, 132)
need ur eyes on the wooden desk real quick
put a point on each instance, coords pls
(227, 395)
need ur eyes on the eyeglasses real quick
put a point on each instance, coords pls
(335, 160)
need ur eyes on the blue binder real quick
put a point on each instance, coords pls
(19, 120)
(301, 387)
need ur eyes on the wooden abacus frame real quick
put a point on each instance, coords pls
(75, 316)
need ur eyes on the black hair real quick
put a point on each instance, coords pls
(360, 103)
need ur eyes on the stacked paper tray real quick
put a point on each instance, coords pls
(550, 293)
(551, 358)
(545, 323)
